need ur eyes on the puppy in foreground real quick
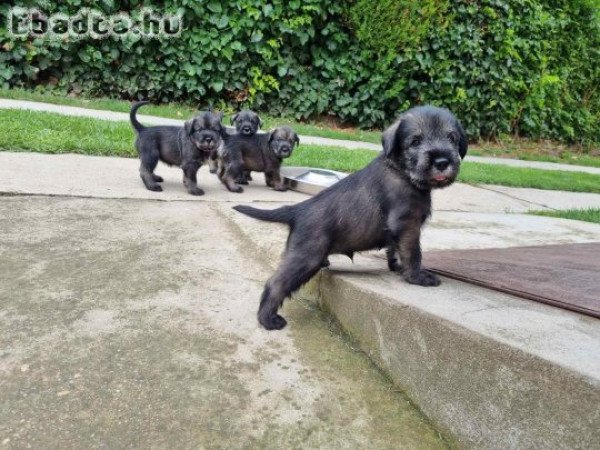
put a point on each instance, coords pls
(383, 205)
(187, 147)
(242, 154)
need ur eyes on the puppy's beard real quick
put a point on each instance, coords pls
(206, 147)
(442, 179)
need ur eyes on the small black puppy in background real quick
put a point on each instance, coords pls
(383, 205)
(246, 123)
(258, 153)
(186, 147)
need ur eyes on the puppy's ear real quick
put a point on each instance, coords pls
(296, 139)
(271, 134)
(189, 126)
(390, 140)
(463, 143)
(234, 118)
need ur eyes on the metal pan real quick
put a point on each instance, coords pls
(310, 180)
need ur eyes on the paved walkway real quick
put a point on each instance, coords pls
(127, 322)
(152, 120)
(128, 316)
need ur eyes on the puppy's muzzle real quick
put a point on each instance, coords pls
(206, 144)
(443, 172)
(247, 130)
(284, 151)
(441, 163)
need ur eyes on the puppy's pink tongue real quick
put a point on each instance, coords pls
(440, 178)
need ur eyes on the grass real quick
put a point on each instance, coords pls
(587, 215)
(55, 133)
(182, 111)
(505, 147)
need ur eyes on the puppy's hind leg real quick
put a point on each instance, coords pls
(148, 161)
(296, 269)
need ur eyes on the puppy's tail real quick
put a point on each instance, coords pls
(285, 214)
(134, 122)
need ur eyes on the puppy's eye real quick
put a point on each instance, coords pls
(452, 137)
(416, 141)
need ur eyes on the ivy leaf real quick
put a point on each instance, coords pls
(256, 36)
(215, 7)
(217, 86)
(222, 22)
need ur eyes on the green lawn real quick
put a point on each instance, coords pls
(587, 215)
(506, 147)
(181, 111)
(55, 133)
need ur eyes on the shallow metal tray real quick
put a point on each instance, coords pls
(310, 180)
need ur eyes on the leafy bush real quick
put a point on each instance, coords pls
(527, 67)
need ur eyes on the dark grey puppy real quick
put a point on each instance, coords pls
(246, 123)
(187, 147)
(256, 153)
(383, 205)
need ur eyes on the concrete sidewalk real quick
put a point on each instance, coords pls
(314, 140)
(128, 319)
(108, 177)
(129, 323)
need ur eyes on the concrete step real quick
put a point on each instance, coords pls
(494, 370)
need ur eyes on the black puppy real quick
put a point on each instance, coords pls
(383, 205)
(257, 153)
(187, 147)
(246, 123)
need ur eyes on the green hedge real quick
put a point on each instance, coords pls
(528, 67)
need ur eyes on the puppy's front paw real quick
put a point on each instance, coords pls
(196, 191)
(280, 188)
(157, 178)
(422, 278)
(237, 189)
(154, 187)
(273, 322)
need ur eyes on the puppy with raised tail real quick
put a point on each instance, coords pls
(383, 205)
(187, 147)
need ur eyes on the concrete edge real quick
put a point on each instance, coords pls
(486, 392)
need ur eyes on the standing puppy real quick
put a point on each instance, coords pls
(186, 147)
(246, 123)
(383, 205)
(258, 153)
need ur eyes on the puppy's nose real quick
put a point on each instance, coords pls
(247, 129)
(441, 163)
(208, 139)
(285, 149)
